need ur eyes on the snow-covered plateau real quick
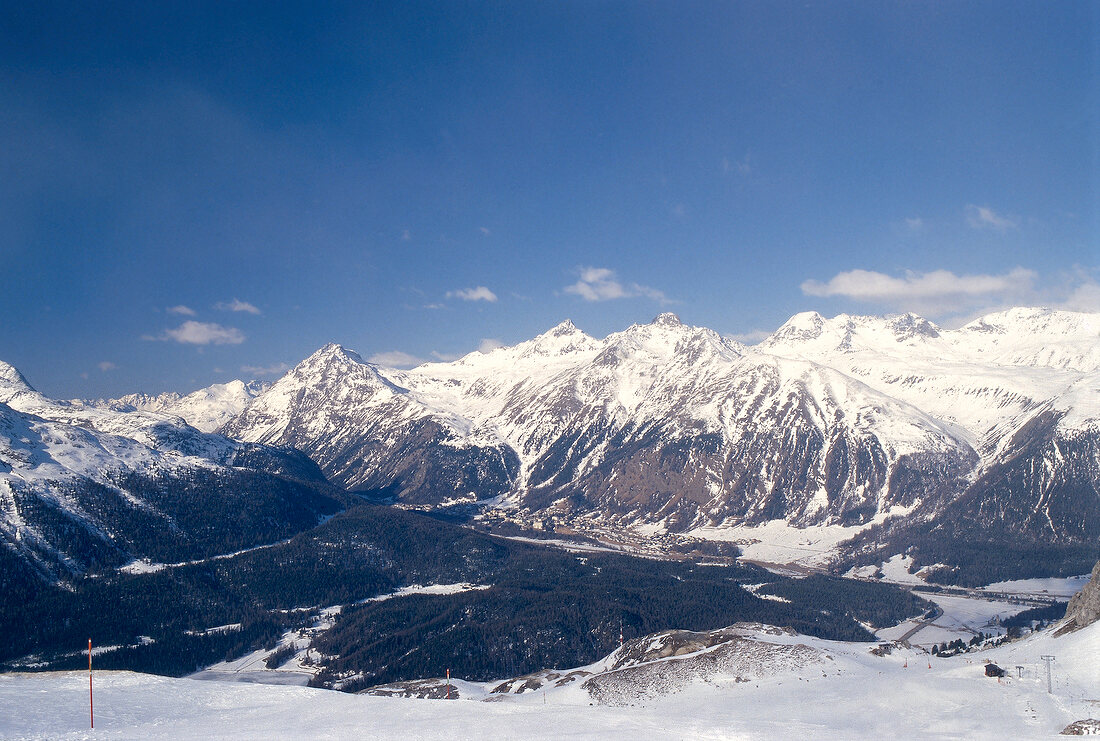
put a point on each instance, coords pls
(758, 682)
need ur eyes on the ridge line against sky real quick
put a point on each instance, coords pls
(199, 193)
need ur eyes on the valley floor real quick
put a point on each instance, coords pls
(852, 695)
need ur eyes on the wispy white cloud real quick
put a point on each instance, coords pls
(266, 370)
(106, 365)
(914, 223)
(181, 310)
(395, 359)
(1081, 290)
(237, 305)
(955, 299)
(405, 235)
(1085, 297)
(484, 230)
(201, 333)
(489, 344)
(868, 285)
(602, 284)
(983, 217)
(481, 293)
(444, 357)
(933, 294)
(741, 167)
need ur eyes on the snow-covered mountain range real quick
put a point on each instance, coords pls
(988, 432)
(84, 488)
(206, 409)
(828, 421)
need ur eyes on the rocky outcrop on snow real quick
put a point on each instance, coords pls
(1084, 607)
(1087, 727)
(667, 663)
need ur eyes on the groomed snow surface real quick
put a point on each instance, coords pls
(846, 693)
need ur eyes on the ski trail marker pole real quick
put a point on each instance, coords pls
(91, 711)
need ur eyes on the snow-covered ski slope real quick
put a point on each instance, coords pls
(823, 689)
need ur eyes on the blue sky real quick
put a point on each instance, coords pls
(195, 192)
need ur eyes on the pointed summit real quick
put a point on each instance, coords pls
(667, 319)
(561, 340)
(12, 378)
(806, 325)
(564, 329)
(334, 351)
(12, 383)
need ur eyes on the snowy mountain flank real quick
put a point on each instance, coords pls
(206, 409)
(666, 427)
(84, 489)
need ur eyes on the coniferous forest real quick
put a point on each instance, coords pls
(543, 606)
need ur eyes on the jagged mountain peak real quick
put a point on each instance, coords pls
(848, 332)
(805, 325)
(1037, 320)
(334, 352)
(667, 319)
(561, 341)
(563, 328)
(9, 374)
(333, 362)
(12, 381)
(909, 325)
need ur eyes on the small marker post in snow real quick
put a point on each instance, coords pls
(448, 684)
(91, 711)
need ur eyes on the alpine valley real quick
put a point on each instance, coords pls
(536, 505)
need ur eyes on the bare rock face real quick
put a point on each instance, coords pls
(1084, 608)
(435, 688)
(666, 663)
(1087, 727)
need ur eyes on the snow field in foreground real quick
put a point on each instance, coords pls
(853, 695)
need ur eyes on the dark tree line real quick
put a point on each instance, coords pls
(544, 608)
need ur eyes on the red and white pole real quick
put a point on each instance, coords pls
(448, 684)
(91, 711)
